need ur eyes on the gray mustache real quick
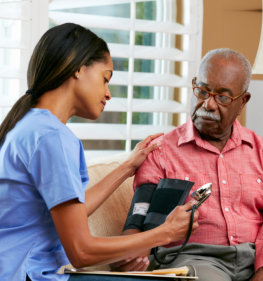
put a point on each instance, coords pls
(203, 113)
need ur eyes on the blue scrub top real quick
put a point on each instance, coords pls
(42, 165)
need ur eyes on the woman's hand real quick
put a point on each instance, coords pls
(141, 151)
(178, 221)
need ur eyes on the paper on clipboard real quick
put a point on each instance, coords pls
(179, 273)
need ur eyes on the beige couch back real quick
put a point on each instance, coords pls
(109, 218)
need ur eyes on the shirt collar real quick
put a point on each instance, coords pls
(239, 134)
(190, 133)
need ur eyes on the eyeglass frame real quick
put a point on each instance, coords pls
(214, 94)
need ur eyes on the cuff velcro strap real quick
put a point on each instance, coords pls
(168, 194)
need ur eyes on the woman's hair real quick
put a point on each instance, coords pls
(58, 55)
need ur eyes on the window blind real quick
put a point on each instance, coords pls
(163, 54)
(13, 17)
(20, 28)
(149, 41)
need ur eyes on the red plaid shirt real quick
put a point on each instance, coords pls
(233, 213)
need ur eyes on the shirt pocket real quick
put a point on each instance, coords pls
(251, 203)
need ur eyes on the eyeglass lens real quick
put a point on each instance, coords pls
(219, 98)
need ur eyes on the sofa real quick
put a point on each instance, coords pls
(109, 218)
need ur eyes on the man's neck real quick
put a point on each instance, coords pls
(218, 142)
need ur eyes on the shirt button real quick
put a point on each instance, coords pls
(221, 156)
(226, 209)
(258, 180)
(186, 178)
(224, 181)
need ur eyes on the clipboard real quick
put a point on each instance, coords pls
(179, 273)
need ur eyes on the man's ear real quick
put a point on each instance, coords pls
(245, 99)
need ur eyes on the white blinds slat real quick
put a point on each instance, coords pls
(68, 4)
(7, 101)
(115, 23)
(149, 79)
(97, 131)
(145, 105)
(16, 2)
(5, 43)
(149, 52)
(8, 72)
(15, 10)
(95, 155)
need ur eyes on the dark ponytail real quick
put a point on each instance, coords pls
(19, 109)
(60, 52)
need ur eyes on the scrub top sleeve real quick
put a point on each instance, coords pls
(57, 169)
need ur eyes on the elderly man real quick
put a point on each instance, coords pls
(213, 147)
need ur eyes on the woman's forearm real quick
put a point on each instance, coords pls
(111, 249)
(98, 193)
(83, 249)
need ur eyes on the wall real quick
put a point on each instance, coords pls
(254, 111)
(236, 24)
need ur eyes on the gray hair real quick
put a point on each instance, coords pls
(228, 54)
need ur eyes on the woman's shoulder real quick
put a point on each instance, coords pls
(37, 125)
(38, 130)
(41, 122)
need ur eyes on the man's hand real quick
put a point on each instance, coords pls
(258, 275)
(131, 264)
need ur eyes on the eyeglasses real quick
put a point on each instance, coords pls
(203, 94)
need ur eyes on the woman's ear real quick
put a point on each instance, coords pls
(76, 75)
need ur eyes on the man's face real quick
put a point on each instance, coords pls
(212, 120)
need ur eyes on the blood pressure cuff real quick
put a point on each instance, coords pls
(152, 203)
(139, 206)
(168, 194)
